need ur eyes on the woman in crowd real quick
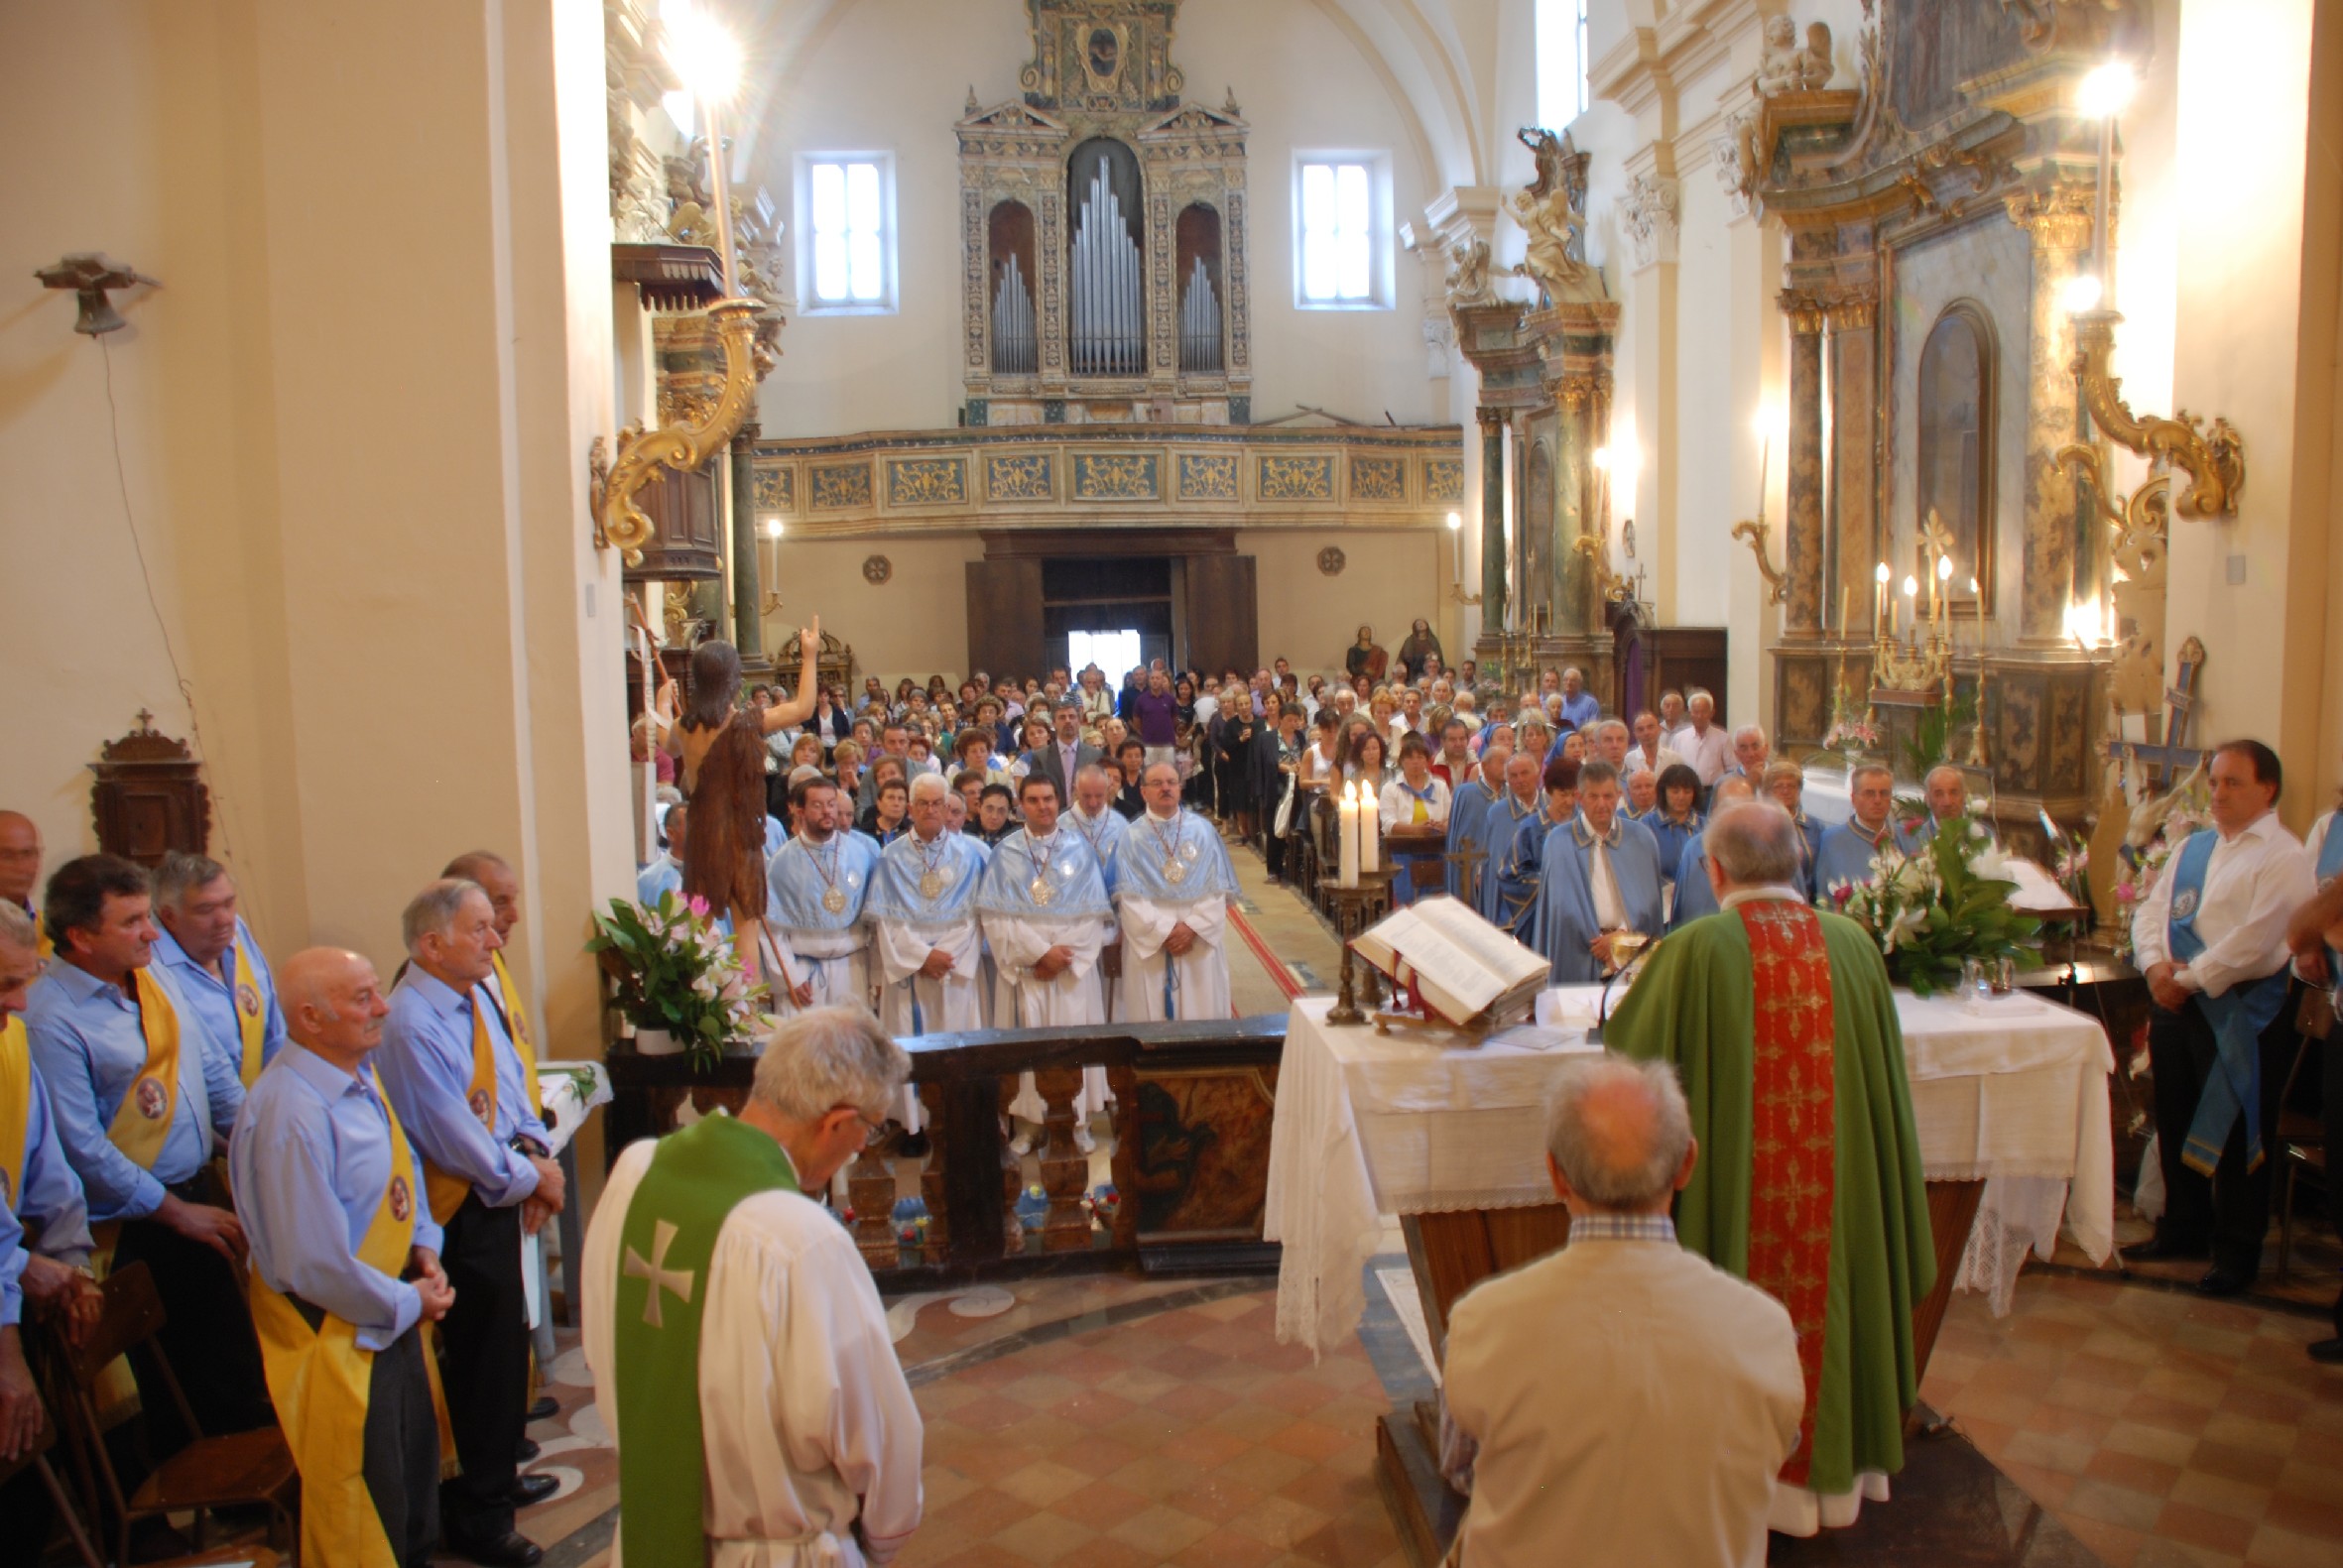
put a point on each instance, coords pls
(1130, 763)
(1368, 761)
(1677, 820)
(846, 763)
(1414, 806)
(804, 751)
(889, 808)
(1419, 647)
(1098, 703)
(1287, 815)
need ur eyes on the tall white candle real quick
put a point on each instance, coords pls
(1347, 866)
(1370, 827)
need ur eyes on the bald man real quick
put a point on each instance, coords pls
(345, 1267)
(20, 868)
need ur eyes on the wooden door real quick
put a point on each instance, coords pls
(1224, 614)
(1004, 617)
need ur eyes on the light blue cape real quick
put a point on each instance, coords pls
(1077, 887)
(894, 886)
(800, 873)
(1151, 848)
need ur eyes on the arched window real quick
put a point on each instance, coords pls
(1198, 243)
(1956, 456)
(1106, 325)
(1010, 241)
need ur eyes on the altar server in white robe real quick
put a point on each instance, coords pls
(1172, 898)
(817, 883)
(924, 939)
(741, 1358)
(1102, 828)
(1599, 875)
(1045, 911)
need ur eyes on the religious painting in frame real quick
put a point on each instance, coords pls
(1202, 1164)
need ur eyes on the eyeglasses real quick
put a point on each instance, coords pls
(871, 1126)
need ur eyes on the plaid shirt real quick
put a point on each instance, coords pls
(1622, 1228)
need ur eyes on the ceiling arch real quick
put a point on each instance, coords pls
(1412, 47)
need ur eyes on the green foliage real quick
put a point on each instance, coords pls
(1939, 905)
(674, 970)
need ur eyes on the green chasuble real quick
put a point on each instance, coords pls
(1695, 1006)
(694, 1183)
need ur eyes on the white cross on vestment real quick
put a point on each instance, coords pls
(663, 1236)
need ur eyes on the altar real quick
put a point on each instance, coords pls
(2011, 1102)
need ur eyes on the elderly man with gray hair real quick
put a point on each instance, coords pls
(1622, 1401)
(741, 1359)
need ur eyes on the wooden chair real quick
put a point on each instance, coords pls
(2302, 1146)
(84, 1548)
(240, 1469)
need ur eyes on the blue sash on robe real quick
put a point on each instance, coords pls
(894, 891)
(1565, 898)
(1187, 845)
(1468, 803)
(1105, 839)
(801, 874)
(1810, 846)
(2238, 1016)
(1076, 888)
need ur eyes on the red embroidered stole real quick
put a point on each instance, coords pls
(1793, 1133)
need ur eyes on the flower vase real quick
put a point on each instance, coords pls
(657, 1042)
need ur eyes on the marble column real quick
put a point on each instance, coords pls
(1854, 474)
(748, 594)
(2058, 217)
(1801, 608)
(1492, 422)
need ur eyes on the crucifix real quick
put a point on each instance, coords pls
(655, 1269)
(2162, 764)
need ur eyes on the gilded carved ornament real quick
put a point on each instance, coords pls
(683, 447)
(1754, 533)
(2214, 459)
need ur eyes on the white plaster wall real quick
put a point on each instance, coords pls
(1300, 80)
(914, 623)
(1389, 578)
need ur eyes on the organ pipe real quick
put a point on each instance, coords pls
(1106, 316)
(1199, 322)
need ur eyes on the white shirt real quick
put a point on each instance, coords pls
(806, 1416)
(1602, 885)
(1638, 762)
(2254, 883)
(1398, 806)
(1705, 754)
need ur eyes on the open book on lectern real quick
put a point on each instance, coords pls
(1457, 964)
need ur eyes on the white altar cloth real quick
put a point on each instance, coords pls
(1370, 1125)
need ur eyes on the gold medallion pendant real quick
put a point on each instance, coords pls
(835, 900)
(1040, 890)
(930, 885)
(1176, 874)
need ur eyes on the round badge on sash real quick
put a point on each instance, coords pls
(7, 1190)
(2183, 904)
(481, 1105)
(402, 1201)
(152, 1099)
(248, 1000)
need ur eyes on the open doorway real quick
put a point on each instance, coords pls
(1113, 652)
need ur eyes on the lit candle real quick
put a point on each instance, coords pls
(1942, 592)
(1912, 593)
(1880, 611)
(1370, 827)
(1347, 867)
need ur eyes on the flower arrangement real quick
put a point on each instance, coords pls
(1943, 902)
(1851, 734)
(2071, 859)
(2184, 810)
(676, 970)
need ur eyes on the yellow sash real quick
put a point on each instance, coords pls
(446, 1189)
(16, 1108)
(319, 1381)
(143, 1121)
(252, 1013)
(40, 942)
(523, 1046)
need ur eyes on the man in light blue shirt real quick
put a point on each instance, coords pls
(44, 1193)
(202, 936)
(313, 1167)
(485, 1154)
(1580, 707)
(86, 1018)
(20, 1402)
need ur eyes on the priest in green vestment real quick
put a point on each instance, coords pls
(1778, 1018)
(741, 1357)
